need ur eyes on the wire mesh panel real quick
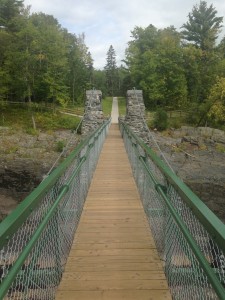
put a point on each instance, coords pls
(193, 261)
(33, 257)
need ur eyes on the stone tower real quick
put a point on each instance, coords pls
(135, 113)
(93, 115)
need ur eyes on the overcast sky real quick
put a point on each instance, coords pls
(110, 22)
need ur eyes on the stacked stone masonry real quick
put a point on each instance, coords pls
(135, 113)
(93, 115)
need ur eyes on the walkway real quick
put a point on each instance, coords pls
(115, 111)
(113, 256)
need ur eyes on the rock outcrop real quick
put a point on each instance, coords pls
(197, 155)
(25, 160)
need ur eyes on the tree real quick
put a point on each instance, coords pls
(9, 10)
(192, 67)
(111, 72)
(216, 103)
(40, 60)
(155, 61)
(202, 30)
(203, 26)
(99, 81)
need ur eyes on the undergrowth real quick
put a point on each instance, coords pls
(20, 118)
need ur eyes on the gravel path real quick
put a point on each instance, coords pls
(115, 111)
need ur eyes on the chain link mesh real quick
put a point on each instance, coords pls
(185, 276)
(41, 272)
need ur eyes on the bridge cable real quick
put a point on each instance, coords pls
(64, 150)
(150, 135)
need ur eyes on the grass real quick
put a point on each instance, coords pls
(107, 106)
(176, 119)
(220, 148)
(20, 118)
(122, 106)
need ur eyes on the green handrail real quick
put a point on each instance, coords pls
(12, 222)
(206, 217)
(213, 279)
(17, 218)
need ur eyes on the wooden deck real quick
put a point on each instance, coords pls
(113, 256)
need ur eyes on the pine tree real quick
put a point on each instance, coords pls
(203, 26)
(111, 72)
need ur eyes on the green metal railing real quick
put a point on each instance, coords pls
(190, 239)
(35, 239)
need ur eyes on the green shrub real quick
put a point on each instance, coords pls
(160, 119)
(32, 131)
(60, 145)
(175, 123)
(220, 148)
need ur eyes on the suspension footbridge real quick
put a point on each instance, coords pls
(113, 255)
(101, 226)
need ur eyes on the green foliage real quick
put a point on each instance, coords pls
(196, 114)
(156, 63)
(160, 119)
(203, 26)
(50, 121)
(179, 70)
(216, 103)
(122, 106)
(99, 81)
(11, 150)
(40, 60)
(32, 131)
(21, 118)
(220, 148)
(107, 106)
(111, 71)
(175, 122)
(60, 146)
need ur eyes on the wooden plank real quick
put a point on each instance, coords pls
(116, 266)
(112, 275)
(115, 224)
(113, 255)
(107, 240)
(107, 260)
(122, 245)
(109, 230)
(126, 284)
(115, 295)
(116, 252)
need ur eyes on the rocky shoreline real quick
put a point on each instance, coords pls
(197, 155)
(25, 160)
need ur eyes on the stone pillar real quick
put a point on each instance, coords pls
(135, 113)
(93, 115)
(135, 105)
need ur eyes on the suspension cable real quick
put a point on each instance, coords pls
(150, 135)
(64, 149)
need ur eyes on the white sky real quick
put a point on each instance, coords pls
(110, 22)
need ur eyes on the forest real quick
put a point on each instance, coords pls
(41, 62)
